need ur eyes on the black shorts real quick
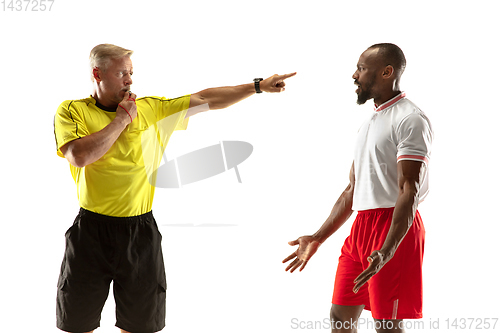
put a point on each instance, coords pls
(101, 249)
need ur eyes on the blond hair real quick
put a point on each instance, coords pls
(102, 54)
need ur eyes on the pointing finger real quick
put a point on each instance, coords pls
(286, 76)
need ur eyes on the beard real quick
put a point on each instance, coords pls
(363, 96)
(366, 92)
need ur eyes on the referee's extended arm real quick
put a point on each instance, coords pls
(223, 97)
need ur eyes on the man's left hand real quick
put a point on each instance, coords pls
(275, 83)
(377, 261)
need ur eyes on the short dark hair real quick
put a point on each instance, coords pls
(392, 55)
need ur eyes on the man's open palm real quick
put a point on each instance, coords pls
(307, 248)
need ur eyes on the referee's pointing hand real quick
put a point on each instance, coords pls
(275, 83)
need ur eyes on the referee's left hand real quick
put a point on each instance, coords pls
(275, 83)
(376, 260)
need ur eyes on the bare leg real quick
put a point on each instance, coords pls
(344, 318)
(389, 326)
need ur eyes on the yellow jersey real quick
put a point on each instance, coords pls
(121, 183)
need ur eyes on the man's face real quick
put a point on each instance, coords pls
(116, 79)
(365, 76)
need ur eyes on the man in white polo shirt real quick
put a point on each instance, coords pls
(380, 267)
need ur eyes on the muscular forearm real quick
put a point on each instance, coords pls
(222, 97)
(402, 219)
(341, 211)
(87, 150)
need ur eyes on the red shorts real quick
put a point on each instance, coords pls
(395, 292)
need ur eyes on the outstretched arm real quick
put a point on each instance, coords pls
(222, 97)
(308, 245)
(410, 174)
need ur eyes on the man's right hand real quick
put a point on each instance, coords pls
(127, 109)
(308, 245)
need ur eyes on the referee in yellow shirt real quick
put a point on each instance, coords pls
(115, 237)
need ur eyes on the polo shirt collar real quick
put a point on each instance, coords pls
(102, 107)
(390, 102)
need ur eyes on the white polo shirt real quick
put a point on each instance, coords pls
(398, 130)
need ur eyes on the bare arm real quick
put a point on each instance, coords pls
(340, 213)
(409, 179)
(223, 97)
(308, 245)
(87, 150)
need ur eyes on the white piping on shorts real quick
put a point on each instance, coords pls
(395, 309)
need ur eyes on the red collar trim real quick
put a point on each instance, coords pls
(390, 102)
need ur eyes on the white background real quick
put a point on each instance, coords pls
(229, 279)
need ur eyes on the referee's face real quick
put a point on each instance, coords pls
(117, 79)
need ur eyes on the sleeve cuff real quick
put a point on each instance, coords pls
(413, 158)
